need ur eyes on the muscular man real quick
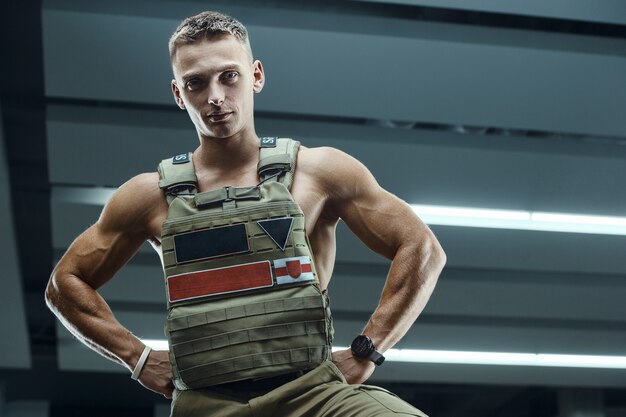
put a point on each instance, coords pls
(245, 228)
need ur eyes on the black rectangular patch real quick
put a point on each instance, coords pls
(211, 243)
(180, 159)
(268, 142)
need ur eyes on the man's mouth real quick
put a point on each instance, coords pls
(216, 117)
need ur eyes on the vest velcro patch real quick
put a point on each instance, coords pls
(268, 142)
(211, 243)
(219, 281)
(292, 270)
(181, 159)
(278, 230)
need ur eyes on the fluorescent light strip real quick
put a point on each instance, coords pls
(481, 358)
(97, 196)
(156, 344)
(503, 358)
(521, 220)
(510, 359)
(436, 215)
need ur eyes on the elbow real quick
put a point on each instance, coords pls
(52, 294)
(434, 256)
(438, 254)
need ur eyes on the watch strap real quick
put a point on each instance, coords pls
(376, 357)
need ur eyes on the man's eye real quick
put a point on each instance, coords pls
(193, 84)
(230, 75)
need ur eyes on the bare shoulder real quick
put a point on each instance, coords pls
(141, 186)
(135, 205)
(334, 169)
(321, 156)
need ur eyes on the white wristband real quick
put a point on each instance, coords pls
(141, 363)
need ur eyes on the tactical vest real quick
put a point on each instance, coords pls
(244, 300)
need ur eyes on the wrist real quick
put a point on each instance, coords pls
(362, 347)
(141, 362)
(131, 353)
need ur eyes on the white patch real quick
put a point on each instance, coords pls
(293, 270)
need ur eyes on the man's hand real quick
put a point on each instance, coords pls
(156, 374)
(355, 370)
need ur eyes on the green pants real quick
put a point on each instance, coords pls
(320, 392)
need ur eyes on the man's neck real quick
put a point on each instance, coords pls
(227, 154)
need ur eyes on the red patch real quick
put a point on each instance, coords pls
(220, 281)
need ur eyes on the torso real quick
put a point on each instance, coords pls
(306, 191)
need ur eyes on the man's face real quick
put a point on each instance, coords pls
(215, 81)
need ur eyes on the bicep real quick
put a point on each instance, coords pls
(97, 254)
(380, 219)
(101, 250)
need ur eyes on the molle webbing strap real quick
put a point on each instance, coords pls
(279, 162)
(219, 196)
(247, 310)
(311, 355)
(177, 175)
(276, 331)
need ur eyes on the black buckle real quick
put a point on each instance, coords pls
(181, 188)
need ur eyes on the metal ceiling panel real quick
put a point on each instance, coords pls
(325, 72)
(429, 167)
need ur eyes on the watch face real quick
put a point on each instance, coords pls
(362, 346)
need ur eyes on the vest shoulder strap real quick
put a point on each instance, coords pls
(277, 160)
(177, 175)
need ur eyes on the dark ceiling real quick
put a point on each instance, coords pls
(24, 103)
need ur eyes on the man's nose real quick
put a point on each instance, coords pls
(216, 96)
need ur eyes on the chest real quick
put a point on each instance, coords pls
(303, 192)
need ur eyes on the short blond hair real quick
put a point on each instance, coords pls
(208, 25)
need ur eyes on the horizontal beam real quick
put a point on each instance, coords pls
(602, 11)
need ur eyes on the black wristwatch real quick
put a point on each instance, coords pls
(362, 347)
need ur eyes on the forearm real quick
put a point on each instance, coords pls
(412, 277)
(88, 317)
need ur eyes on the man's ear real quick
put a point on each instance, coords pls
(258, 76)
(177, 97)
